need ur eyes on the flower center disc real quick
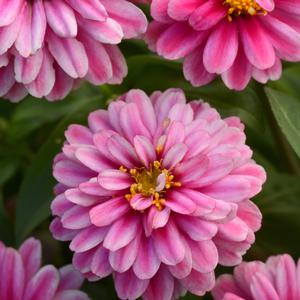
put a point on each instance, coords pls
(243, 7)
(152, 182)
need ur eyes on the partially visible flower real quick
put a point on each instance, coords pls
(277, 279)
(22, 277)
(237, 39)
(156, 191)
(46, 47)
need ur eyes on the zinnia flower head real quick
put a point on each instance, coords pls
(156, 191)
(47, 46)
(277, 279)
(237, 39)
(22, 277)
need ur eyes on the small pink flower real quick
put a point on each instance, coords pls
(237, 39)
(156, 191)
(47, 46)
(277, 279)
(22, 277)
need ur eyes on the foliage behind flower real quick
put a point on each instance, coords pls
(23, 279)
(47, 46)
(238, 40)
(156, 191)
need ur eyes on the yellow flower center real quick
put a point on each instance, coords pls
(147, 183)
(243, 7)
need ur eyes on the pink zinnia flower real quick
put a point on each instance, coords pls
(22, 277)
(277, 279)
(237, 39)
(156, 191)
(46, 46)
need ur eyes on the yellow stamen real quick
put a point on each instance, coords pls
(146, 182)
(243, 7)
(123, 169)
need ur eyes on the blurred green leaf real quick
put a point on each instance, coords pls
(286, 110)
(36, 193)
(189, 296)
(6, 227)
(8, 167)
(289, 83)
(33, 113)
(280, 205)
(6, 230)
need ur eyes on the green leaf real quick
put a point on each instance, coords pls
(32, 113)
(286, 110)
(8, 167)
(280, 205)
(36, 193)
(190, 296)
(289, 81)
(6, 228)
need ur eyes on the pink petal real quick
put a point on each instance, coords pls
(44, 82)
(131, 122)
(91, 158)
(231, 188)
(43, 285)
(262, 288)
(100, 263)
(77, 197)
(179, 203)
(90, 9)
(71, 173)
(197, 229)
(63, 23)
(146, 263)
(219, 54)
(87, 239)
(70, 278)
(9, 11)
(174, 155)
(144, 149)
(128, 286)
(163, 278)
(205, 255)
(12, 275)
(27, 69)
(184, 268)
(70, 54)
(169, 244)
(257, 46)
(76, 218)
(145, 108)
(198, 283)
(122, 259)
(129, 16)
(114, 180)
(108, 212)
(122, 151)
(140, 203)
(31, 253)
(121, 233)
(286, 281)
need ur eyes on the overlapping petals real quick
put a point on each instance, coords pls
(236, 47)
(277, 279)
(22, 277)
(46, 47)
(156, 191)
